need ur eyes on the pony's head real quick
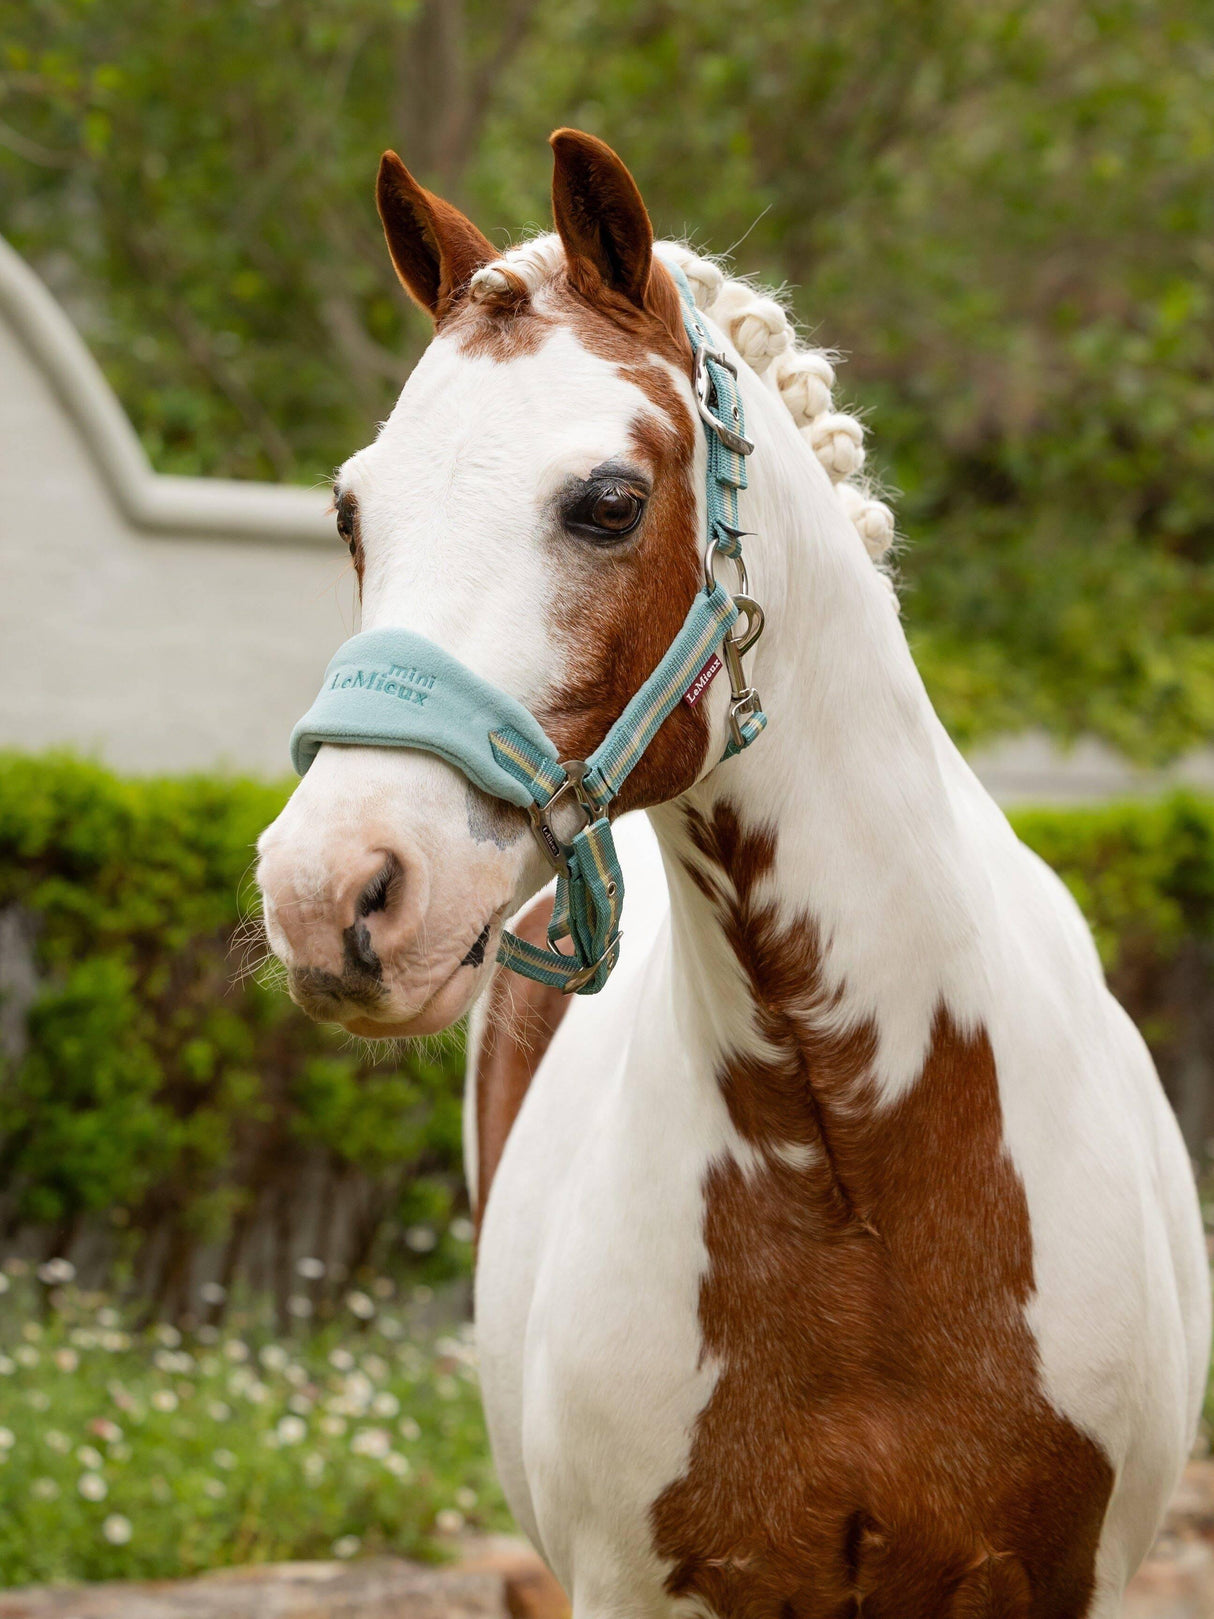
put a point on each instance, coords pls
(533, 505)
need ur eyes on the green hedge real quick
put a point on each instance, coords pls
(170, 1095)
(174, 1119)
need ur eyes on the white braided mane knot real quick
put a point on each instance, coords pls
(763, 334)
(761, 331)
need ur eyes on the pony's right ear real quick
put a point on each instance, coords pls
(435, 249)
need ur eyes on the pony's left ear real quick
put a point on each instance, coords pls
(599, 214)
(435, 249)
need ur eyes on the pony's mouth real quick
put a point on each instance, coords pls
(442, 1007)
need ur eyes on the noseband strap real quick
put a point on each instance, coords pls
(394, 689)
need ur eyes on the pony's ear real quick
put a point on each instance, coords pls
(435, 249)
(599, 213)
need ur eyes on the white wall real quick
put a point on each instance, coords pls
(160, 624)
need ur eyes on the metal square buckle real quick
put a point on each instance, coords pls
(585, 974)
(554, 847)
(705, 389)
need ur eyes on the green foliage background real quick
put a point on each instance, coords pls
(1000, 210)
(171, 1098)
(175, 1122)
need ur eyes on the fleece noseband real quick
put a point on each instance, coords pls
(393, 689)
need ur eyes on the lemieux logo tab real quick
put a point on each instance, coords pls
(702, 681)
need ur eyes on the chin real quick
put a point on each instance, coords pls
(445, 1007)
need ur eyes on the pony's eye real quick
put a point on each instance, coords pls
(606, 511)
(347, 517)
(616, 510)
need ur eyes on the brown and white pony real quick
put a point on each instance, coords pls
(842, 1255)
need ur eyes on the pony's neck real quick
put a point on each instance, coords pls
(825, 862)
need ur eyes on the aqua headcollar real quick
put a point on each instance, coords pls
(393, 689)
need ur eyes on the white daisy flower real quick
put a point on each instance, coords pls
(374, 1442)
(56, 1271)
(117, 1529)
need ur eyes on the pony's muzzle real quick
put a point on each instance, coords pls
(336, 930)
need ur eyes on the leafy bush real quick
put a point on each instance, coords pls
(169, 1099)
(1142, 872)
(181, 1130)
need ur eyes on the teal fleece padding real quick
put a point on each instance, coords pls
(392, 688)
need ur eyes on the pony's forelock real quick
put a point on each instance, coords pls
(761, 329)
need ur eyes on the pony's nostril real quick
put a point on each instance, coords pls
(376, 895)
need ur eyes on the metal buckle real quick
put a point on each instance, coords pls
(552, 845)
(705, 389)
(585, 974)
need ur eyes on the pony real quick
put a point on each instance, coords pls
(842, 1254)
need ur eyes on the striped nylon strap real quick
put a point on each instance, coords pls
(590, 884)
(392, 688)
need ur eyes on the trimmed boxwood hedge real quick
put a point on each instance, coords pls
(168, 1117)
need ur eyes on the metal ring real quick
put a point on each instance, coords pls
(710, 561)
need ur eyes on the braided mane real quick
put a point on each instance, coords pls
(763, 334)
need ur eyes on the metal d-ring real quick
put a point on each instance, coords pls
(711, 557)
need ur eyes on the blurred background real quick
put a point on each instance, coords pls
(236, 1248)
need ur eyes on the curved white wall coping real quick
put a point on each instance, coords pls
(219, 508)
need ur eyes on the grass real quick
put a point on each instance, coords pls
(141, 1455)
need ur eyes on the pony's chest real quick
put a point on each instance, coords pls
(588, 1279)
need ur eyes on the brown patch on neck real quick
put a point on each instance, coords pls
(521, 1019)
(883, 1442)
